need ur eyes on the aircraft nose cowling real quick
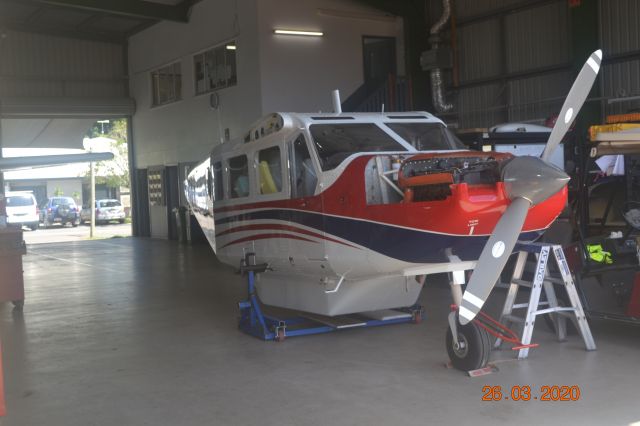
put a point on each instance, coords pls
(532, 178)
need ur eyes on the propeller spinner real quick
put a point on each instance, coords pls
(528, 181)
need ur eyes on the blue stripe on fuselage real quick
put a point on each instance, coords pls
(408, 245)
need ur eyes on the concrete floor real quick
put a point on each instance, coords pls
(60, 234)
(143, 332)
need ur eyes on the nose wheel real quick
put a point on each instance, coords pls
(471, 349)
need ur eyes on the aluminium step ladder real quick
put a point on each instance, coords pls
(543, 281)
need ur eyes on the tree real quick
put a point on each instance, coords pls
(114, 173)
(58, 192)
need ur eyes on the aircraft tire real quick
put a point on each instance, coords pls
(476, 351)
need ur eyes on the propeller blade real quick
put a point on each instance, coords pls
(493, 258)
(576, 97)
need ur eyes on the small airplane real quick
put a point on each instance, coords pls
(352, 211)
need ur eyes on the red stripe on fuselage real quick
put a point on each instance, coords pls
(478, 207)
(267, 226)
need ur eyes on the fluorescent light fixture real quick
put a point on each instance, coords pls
(299, 33)
(231, 47)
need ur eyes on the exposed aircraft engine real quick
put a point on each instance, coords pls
(429, 177)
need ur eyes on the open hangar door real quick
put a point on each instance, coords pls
(64, 66)
(53, 89)
(52, 130)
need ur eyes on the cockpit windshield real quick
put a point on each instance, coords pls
(427, 136)
(335, 142)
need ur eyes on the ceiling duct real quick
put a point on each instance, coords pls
(437, 58)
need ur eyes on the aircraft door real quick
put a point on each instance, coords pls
(307, 254)
(304, 177)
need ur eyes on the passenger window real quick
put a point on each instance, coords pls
(239, 176)
(218, 183)
(303, 175)
(270, 170)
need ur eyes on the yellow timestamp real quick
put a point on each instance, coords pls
(525, 393)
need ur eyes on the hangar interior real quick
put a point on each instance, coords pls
(144, 330)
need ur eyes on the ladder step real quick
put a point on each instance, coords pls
(526, 305)
(527, 284)
(513, 318)
(558, 310)
(521, 282)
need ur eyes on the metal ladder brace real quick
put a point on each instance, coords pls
(542, 279)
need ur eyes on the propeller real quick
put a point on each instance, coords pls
(528, 181)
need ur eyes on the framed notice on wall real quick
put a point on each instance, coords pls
(155, 179)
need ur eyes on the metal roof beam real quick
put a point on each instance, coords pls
(58, 32)
(135, 8)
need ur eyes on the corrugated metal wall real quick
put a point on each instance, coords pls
(469, 8)
(537, 37)
(620, 36)
(480, 51)
(515, 66)
(620, 32)
(511, 65)
(63, 67)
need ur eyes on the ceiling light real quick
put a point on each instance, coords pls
(300, 33)
(231, 47)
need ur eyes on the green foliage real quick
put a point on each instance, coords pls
(96, 129)
(114, 173)
(58, 192)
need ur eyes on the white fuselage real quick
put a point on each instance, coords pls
(276, 193)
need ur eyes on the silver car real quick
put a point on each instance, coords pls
(106, 211)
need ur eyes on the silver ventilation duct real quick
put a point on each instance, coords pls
(446, 13)
(437, 83)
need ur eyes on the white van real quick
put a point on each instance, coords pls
(22, 209)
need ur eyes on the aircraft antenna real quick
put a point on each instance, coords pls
(335, 98)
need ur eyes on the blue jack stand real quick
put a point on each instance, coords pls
(254, 322)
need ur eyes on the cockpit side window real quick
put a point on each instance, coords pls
(303, 175)
(336, 141)
(270, 170)
(239, 176)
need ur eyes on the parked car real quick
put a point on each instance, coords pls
(22, 209)
(61, 210)
(106, 211)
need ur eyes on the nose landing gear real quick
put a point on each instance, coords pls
(470, 348)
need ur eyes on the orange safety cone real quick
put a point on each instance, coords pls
(3, 408)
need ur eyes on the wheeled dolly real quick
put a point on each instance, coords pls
(255, 322)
